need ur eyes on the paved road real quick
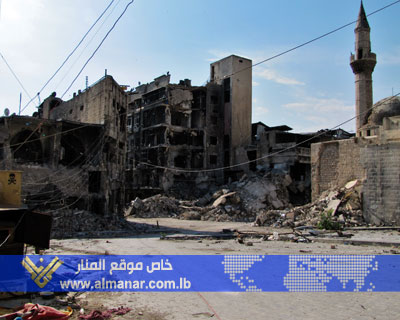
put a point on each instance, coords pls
(232, 306)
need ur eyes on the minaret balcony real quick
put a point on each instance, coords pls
(365, 64)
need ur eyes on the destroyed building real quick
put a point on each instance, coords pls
(373, 155)
(276, 148)
(104, 103)
(189, 129)
(184, 138)
(72, 153)
(58, 168)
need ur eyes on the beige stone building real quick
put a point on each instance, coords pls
(103, 104)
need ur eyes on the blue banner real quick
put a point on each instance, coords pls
(233, 273)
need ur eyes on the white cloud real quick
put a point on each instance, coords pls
(312, 105)
(256, 84)
(259, 111)
(272, 75)
(321, 113)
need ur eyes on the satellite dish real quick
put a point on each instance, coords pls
(6, 112)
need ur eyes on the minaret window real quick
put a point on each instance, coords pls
(359, 54)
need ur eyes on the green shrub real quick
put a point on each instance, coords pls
(326, 222)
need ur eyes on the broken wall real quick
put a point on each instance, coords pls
(234, 74)
(175, 126)
(64, 164)
(374, 163)
(104, 103)
(381, 187)
(335, 163)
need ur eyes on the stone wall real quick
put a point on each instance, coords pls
(381, 188)
(376, 164)
(333, 164)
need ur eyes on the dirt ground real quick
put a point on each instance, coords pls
(230, 305)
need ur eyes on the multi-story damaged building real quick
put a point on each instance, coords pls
(72, 153)
(58, 168)
(179, 133)
(104, 103)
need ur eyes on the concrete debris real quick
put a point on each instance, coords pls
(239, 201)
(70, 223)
(158, 206)
(333, 205)
(336, 208)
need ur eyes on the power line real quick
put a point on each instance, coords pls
(50, 135)
(256, 64)
(93, 148)
(225, 167)
(310, 41)
(98, 47)
(15, 76)
(270, 154)
(72, 52)
(87, 44)
(75, 179)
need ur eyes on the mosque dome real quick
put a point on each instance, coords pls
(387, 107)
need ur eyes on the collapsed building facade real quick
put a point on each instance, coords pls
(72, 153)
(276, 148)
(183, 138)
(179, 133)
(373, 155)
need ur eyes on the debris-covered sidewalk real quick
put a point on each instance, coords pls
(263, 200)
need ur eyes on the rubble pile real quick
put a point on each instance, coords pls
(335, 209)
(73, 223)
(239, 201)
(157, 206)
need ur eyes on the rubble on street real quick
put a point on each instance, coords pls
(262, 199)
(70, 223)
(237, 201)
(335, 209)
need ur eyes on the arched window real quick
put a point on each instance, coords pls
(26, 147)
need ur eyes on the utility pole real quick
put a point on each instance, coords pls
(20, 99)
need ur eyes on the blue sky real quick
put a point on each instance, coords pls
(308, 89)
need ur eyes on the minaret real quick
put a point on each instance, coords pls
(363, 63)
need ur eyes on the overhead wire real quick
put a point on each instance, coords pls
(87, 44)
(309, 41)
(256, 64)
(13, 230)
(75, 182)
(87, 61)
(270, 154)
(96, 147)
(273, 57)
(58, 196)
(70, 54)
(98, 47)
(71, 181)
(15, 75)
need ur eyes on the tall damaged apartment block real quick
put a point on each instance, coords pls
(98, 154)
(182, 135)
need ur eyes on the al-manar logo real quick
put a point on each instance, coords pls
(41, 275)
